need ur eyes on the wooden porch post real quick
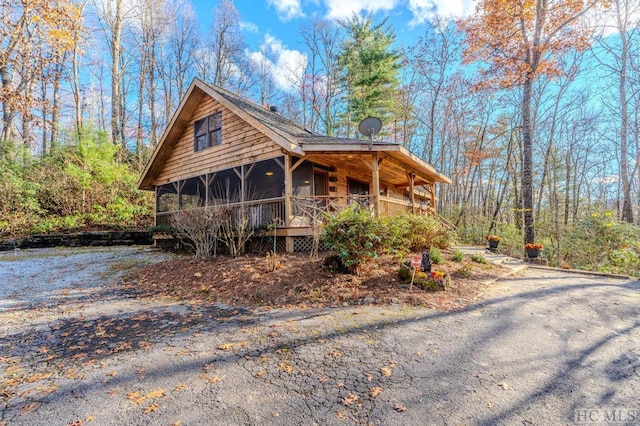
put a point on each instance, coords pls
(288, 183)
(376, 185)
(433, 196)
(412, 196)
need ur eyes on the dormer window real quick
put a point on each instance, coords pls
(208, 132)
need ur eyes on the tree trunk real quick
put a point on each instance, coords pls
(527, 161)
(7, 112)
(55, 106)
(627, 209)
(43, 94)
(116, 103)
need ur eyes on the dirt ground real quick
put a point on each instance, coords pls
(300, 281)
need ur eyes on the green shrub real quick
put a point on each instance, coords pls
(163, 229)
(405, 272)
(436, 256)
(464, 272)
(458, 256)
(80, 185)
(354, 235)
(408, 232)
(600, 242)
(478, 258)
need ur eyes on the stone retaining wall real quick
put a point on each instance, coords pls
(80, 239)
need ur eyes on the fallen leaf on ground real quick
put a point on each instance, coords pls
(39, 376)
(215, 379)
(349, 399)
(155, 394)
(135, 397)
(399, 407)
(181, 386)
(386, 371)
(375, 391)
(287, 368)
(151, 408)
(30, 408)
(504, 385)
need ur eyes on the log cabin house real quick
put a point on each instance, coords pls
(222, 148)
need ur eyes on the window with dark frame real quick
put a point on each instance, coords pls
(208, 132)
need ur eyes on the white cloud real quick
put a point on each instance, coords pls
(287, 65)
(340, 9)
(424, 10)
(249, 27)
(287, 9)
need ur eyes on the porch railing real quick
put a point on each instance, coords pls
(305, 211)
(258, 212)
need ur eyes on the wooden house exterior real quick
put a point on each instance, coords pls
(221, 148)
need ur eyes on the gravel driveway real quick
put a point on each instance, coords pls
(545, 347)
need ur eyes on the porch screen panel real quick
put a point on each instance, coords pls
(193, 194)
(224, 187)
(302, 179)
(167, 198)
(266, 180)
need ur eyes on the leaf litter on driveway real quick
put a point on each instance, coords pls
(93, 350)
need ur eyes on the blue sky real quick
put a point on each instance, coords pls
(275, 24)
(283, 18)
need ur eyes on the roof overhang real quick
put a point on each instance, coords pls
(390, 152)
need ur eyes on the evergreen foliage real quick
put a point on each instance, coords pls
(78, 186)
(370, 69)
(357, 237)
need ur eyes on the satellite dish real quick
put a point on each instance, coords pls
(370, 127)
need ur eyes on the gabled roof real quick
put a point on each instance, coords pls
(286, 128)
(292, 137)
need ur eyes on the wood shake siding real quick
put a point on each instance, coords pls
(241, 144)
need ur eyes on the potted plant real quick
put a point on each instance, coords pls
(494, 240)
(533, 250)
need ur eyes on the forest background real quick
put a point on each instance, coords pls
(531, 107)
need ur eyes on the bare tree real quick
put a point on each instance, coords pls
(437, 52)
(176, 60)
(323, 39)
(34, 34)
(226, 43)
(623, 12)
(112, 15)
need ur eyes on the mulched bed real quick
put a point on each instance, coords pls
(303, 282)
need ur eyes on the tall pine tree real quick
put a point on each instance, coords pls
(370, 67)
